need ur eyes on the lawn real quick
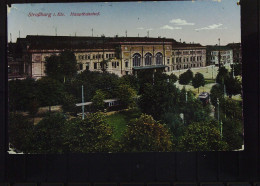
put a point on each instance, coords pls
(119, 121)
(208, 81)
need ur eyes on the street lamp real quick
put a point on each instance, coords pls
(218, 113)
(82, 92)
(212, 71)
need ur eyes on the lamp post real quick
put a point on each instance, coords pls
(218, 110)
(212, 71)
(82, 92)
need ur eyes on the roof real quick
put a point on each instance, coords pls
(45, 42)
(110, 100)
(217, 48)
(89, 103)
(83, 104)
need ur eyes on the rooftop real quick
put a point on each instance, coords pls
(41, 42)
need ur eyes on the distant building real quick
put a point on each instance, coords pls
(125, 55)
(16, 62)
(226, 55)
(237, 53)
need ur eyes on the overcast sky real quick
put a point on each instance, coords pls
(201, 21)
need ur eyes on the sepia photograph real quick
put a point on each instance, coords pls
(112, 77)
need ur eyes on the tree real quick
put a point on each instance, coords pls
(126, 95)
(174, 123)
(186, 77)
(233, 85)
(20, 132)
(237, 67)
(201, 136)
(198, 81)
(173, 78)
(216, 92)
(231, 116)
(33, 108)
(49, 92)
(233, 133)
(222, 75)
(93, 81)
(69, 104)
(93, 134)
(160, 98)
(130, 80)
(146, 135)
(21, 92)
(62, 66)
(47, 136)
(190, 74)
(98, 101)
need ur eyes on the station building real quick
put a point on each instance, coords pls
(124, 55)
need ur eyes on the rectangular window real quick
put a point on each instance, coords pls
(126, 64)
(106, 55)
(94, 56)
(80, 66)
(88, 56)
(117, 63)
(95, 65)
(168, 61)
(172, 60)
(87, 66)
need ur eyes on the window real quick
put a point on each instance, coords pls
(136, 59)
(106, 55)
(94, 56)
(117, 63)
(126, 72)
(168, 61)
(173, 60)
(126, 64)
(95, 65)
(180, 59)
(148, 59)
(159, 58)
(88, 56)
(87, 66)
(80, 66)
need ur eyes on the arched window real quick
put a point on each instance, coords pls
(148, 59)
(136, 59)
(159, 58)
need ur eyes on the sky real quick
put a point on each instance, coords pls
(201, 21)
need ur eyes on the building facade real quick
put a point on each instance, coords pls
(237, 52)
(123, 55)
(219, 54)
